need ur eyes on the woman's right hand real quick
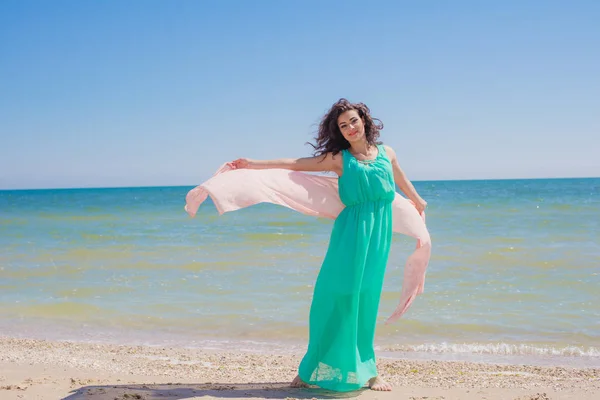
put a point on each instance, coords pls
(241, 163)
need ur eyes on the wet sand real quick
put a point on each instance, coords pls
(38, 369)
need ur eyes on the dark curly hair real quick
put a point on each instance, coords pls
(329, 137)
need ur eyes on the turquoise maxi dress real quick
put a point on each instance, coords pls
(343, 314)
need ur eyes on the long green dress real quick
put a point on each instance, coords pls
(343, 314)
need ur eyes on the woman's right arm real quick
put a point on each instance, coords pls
(325, 162)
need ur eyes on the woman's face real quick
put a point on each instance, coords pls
(352, 126)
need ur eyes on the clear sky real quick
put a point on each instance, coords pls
(137, 93)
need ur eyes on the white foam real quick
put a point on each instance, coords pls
(503, 349)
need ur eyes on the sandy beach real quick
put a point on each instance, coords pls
(38, 369)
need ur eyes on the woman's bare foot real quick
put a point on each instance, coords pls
(298, 383)
(379, 384)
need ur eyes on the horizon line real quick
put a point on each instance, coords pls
(195, 185)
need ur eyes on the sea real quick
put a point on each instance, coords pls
(514, 275)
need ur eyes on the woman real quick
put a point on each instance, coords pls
(343, 313)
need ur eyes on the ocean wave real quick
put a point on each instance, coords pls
(500, 349)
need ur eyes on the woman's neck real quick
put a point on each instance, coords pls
(361, 148)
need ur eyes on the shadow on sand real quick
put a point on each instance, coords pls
(192, 391)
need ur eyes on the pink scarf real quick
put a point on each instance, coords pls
(232, 189)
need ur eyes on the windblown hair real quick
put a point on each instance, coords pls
(329, 137)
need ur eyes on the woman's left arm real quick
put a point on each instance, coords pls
(404, 183)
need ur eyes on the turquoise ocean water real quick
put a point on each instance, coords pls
(514, 275)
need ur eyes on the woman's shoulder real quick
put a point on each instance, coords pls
(333, 157)
(387, 148)
(389, 151)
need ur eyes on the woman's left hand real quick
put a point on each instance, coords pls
(421, 205)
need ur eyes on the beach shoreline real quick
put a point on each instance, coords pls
(45, 369)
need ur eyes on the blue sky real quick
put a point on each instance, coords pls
(136, 93)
